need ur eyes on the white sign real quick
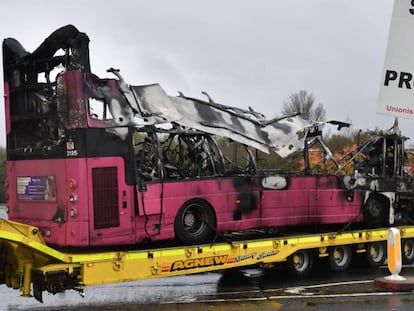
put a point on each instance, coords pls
(396, 95)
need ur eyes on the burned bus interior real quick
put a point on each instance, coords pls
(42, 121)
(56, 108)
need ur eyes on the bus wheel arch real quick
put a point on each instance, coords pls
(195, 222)
(376, 211)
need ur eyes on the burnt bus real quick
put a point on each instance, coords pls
(98, 162)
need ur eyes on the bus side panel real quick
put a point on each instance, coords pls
(311, 200)
(234, 203)
(236, 207)
(330, 204)
(288, 206)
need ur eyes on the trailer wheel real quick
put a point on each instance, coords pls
(340, 257)
(195, 223)
(376, 253)
(408, 251)
(300, 263)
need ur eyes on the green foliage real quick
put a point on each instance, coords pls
(237, 155)
(410, 156)
(337, 142)
(273, 161)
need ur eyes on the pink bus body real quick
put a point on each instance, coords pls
(105, 213)
(91, 176)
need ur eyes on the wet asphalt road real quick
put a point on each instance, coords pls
(246, 289)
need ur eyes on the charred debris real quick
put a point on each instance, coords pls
(52, 93)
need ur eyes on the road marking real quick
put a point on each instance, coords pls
(295, 292)
(338, 283)
(298, 289)
(339, 295)
(282, 297)
(214, 300)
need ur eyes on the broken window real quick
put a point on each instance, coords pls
(189, 155)
(239, 158)
(176, 155)
(98, 109)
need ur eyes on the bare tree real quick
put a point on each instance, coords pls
(304, 103)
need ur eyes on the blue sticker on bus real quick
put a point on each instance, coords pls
(36, 188)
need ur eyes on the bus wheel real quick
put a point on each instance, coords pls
(340, 257)
(376, 253)
(408, 251)
(300, 263)
(376, 211)
(195, 223)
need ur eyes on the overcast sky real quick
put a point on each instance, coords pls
(243, 53)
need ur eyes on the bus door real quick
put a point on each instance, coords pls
(111, 202)
(150, 186)
(150, 202)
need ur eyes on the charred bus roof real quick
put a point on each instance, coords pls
(138, 106)
(70, 94)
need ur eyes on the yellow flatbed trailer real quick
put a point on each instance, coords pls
(27, 262)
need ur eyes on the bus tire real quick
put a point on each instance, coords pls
(376, 253)
(407, 251)
(195, 223)
(300, 263)
(340, 257)
(376, 211)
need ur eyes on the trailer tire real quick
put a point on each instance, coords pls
(340, 257)
(376, 253)
(195, 223)
(300, 263)
(407, 251)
